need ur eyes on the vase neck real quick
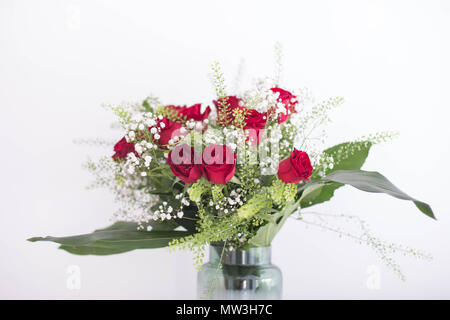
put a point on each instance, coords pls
(250, 257)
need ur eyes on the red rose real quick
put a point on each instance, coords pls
(193, 112)
(255, 122)
(226, 117)
(166, 130)
(219, 163)
(289, 101)
(295, 168)
(122, 148)
(184, 163)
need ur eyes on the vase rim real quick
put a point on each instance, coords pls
(250, 256)
(220, 244)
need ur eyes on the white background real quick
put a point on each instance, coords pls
(59, 60)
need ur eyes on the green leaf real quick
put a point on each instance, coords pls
(162, 185)
(269, 230)
(321, 192)
(146, 106)
(166, 225)
(117, 238)
(234, 179)
(254, 205)
(347, 156)
(198, 188)
(371, 181)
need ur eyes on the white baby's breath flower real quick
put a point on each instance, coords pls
(131, 135)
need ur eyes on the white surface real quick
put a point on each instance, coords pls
(61, 59)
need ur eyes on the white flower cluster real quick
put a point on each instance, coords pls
(269, 151)
(145, 154)
(230, 203)
(167, 212)
(213, 136)
(262, 98)
(232, 137)
(135, 201)
(198, 126)
(321, 163)
(164, 211)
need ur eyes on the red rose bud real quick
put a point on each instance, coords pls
(219, 163)
(289, 101)
(193, 112)
(295, 168)
(255, 122)
(166, 131)
(226, 117)
(184, 163)
(122, 148)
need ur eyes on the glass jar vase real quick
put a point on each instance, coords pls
(242, 274)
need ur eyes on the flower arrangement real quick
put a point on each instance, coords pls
(231, 172)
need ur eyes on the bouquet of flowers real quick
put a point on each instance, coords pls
(231, 172)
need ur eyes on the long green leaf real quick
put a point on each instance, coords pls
(371, 181)
(117, 238)
(347, 156)
(317, 192)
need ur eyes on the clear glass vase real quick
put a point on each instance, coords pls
(244, 275)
